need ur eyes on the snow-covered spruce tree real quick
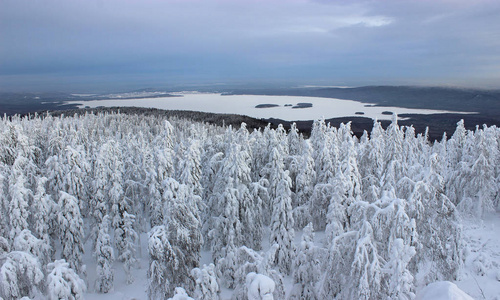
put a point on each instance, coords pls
(295, 141)
(63, 282)
(438, 228)
(366, 269)
(318, 132)
(20, 275)
(347, 190)
(250, 207)
(304, 186)
(163, 264)
(480, 182)
(4, 245)
(54, 171)
(104, 256)
(282, 232)
(4, 201)
(259, 287)
(353, 270)
(190, 168)
(319, 203)
(281, 141)
(163, 146)
(393, 157)
(210, 176)
(108, 178)
(106, 169)
(211, 162)
(400, 279)
(372, 163)
(349, 170)
(136, 176)
(207, 285)
(164, 169)
(110, 166)
(337, 220)
(242, 137)
(170, 188)
(272, 139)
(19, 198)
(307, 267)
(184, 233)
(76, 182)
(455, 150)
(496, 199)
(152, 185)
(245, 260)
(259, 155)
(180, 294)
(8, 140)
(230, 195)
(338, 266)
(41, 212)
(125, 240)
(55, 137)
(16, 142)
(325, 159)
(259, 196)
(71, 231)
(26, 242)
(413, 149)
(98, 210)
(389, 219)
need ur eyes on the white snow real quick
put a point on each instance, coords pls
(442, 290)
(245, 105)
(481, 237)
(480, 277)
(180, 294)
(260, 287)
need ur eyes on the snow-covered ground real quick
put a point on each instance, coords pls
(245, 105)
(481, 275)
(481, 237)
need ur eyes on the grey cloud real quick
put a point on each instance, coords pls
(409, 41)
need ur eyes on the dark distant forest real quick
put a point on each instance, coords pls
(485, 102)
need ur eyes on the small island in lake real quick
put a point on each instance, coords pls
(267, 105)
(303, 105)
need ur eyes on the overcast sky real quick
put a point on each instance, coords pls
(96, 44)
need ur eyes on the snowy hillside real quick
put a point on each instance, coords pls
(117, 206)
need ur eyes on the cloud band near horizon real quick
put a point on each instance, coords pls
(56, 43)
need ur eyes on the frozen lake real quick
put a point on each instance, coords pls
(245, 105)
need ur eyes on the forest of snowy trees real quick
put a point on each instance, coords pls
(386, 207)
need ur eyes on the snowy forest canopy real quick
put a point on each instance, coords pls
(387, 206)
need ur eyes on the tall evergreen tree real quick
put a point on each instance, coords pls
(20, 275)
(63, 282)
(184, 233)
(19, 197)
(282, 232)
(163, 264)
(104, 256)
(71, 231)
(307, 267)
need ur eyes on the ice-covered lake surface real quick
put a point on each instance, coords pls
(245, 105)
